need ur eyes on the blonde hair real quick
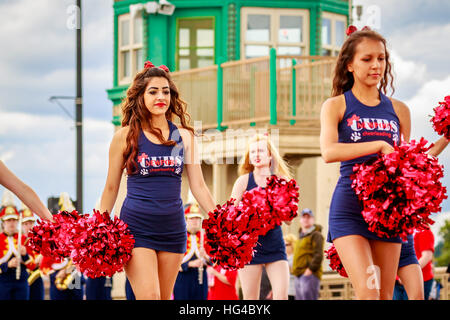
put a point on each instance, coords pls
(277, 166)
(290, 238)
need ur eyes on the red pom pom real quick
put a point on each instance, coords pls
(54, 238)
(275, 203)
(441, 119)
(102, 246)
(400, 190)
(282, 197)
(256, 199)
(335, 262)
(98, 245)
(231, 234)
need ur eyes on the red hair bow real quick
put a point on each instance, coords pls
(352, 29)
(148, 64)
(166, 69)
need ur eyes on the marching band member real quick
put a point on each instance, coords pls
(14, 256)
(34, 279)
(192, 280)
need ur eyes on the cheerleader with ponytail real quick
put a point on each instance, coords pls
(358, 122)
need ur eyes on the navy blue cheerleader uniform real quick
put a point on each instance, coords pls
(408, 254)
(361, 123)
(98, 288)
(153, 208)
(270, 247)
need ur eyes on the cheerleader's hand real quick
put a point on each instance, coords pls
(23, 251)
(386, 148)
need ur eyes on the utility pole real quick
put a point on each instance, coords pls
(79, 116)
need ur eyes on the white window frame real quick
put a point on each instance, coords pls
(333, 17)
(131, 47)
(275, 14)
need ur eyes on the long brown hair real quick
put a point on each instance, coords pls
(343, 79)
(138, 117)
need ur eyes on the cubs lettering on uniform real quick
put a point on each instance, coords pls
(357, 124)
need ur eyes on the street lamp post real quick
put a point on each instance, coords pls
(79, 116)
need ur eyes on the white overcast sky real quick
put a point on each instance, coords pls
(37, 60)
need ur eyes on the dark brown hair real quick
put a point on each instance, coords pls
(138, 117)
(343, 79)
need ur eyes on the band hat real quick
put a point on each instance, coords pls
(27, 214)
(9, 212)
(8, 207)
(192, 211)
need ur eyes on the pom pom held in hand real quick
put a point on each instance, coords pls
(441, 118)
(54, 239)
(335, 262)
(102, 245)
(400, 190)
(98, 245)
(232, 232)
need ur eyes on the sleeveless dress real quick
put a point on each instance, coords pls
(270, 247)
(153, 208)
(361, 123)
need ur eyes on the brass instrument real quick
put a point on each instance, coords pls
(34, 276)
(62, 283)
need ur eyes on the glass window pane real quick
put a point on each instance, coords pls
(326, 31)
(184, 37)
(184, 52)
(125, 32)
(289, 50)
(205, 52)
(256, 51)
(139, 59)
(340, 33)
(126, 68)
(204, 63)
(258, 27)
(205, 37)
(137, 30)
(326, 52)
(290, 29)
(184, 64)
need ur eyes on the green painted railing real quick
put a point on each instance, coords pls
(272, 90)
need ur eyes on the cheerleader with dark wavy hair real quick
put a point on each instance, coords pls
(357, 122)
(154, 151)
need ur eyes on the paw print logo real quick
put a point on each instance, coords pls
(355, 136)
(395, 138)
(144, 172)
(177, 170)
